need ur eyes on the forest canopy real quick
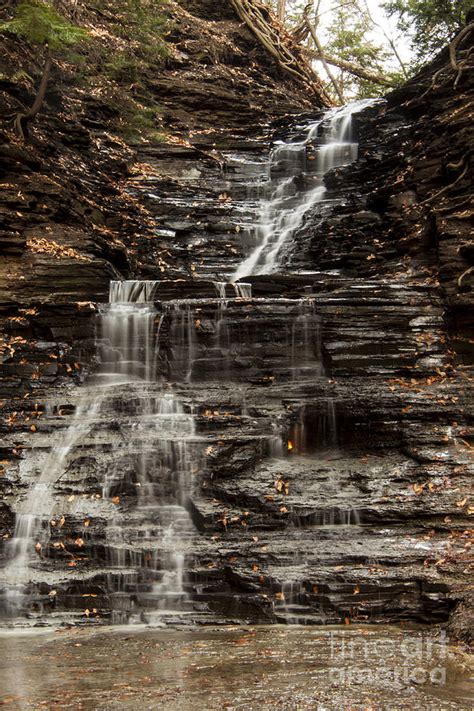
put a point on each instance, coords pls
(363, 46)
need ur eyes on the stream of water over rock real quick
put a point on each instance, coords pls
(284, 204)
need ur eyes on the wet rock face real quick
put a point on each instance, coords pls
(406, 205)
(333, 418)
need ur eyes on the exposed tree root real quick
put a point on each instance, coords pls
(459, 66)
(280, 44)
(468, 271)
(451, 185)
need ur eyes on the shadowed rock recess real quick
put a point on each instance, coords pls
(292, 447)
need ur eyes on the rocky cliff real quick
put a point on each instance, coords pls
(368, 516)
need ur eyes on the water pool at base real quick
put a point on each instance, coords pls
(286, 668)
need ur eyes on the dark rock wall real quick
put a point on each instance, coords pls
(408, 201)
(69, 218)
(393, 342)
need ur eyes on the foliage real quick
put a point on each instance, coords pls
(430, 23)
(350, 39)
(39, 23)
(124, 68)
(18, 77)
(142, 22)
(137, 121)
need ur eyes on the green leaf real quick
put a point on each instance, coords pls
(39, 23)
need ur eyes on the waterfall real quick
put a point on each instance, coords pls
(161, 440)
(157, 436)
(283, 210)
(305, 348)
(142, 438)
(28, 541)
(126, 330)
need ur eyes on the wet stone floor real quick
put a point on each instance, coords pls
(284, 668)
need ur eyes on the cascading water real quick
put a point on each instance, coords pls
(127, 326)
(158, 439)
(146, 436)
(162, 443)
(295, 185)
(26, 546)
(285, 205)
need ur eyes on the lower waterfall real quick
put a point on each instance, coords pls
(154, 437)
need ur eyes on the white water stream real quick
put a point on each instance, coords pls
(284, 207)
(158, 435)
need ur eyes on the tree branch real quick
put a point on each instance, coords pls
(22, 120)
(354, 69)
(316, 41)
(388, 38)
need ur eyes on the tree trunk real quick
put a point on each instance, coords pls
(22, 120)
(281, 10)
(328, 71)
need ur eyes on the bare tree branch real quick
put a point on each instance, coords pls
(22, 120)
(389, 39)
(327, 69)
(354, 69)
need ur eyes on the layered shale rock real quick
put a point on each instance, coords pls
(71, 220)
(331, 418)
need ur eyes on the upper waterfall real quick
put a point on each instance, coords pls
(284, 206)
